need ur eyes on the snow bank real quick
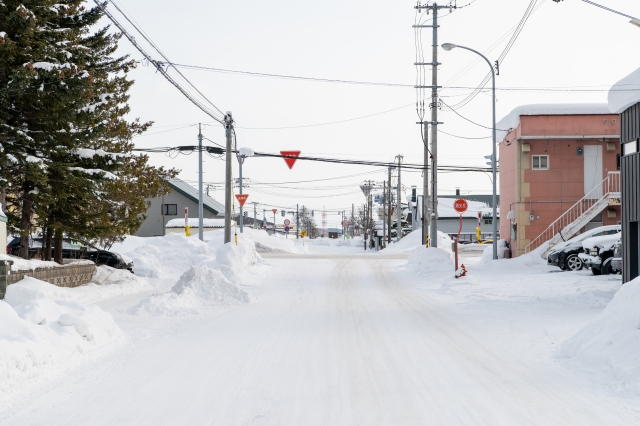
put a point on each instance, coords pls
(622, 94)
(608, 347)
(414, 239)
(40, 336)
(427, 260)
(214, 282)
(168, 256)
(107, 282)
(524, 261)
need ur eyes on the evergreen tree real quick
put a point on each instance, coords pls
(67, 146)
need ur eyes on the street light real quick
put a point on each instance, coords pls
(448, 47)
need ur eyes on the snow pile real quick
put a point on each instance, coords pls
(427, 260)
(609, 345)
(200, 285)
(194, 222)
(624, 93)
(215, 282)
(167, 257)
(40, 336)
(512, 120)
(106, 283)
(414, 239)
(522, 262)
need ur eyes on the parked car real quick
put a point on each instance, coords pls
(616, 260)
(74, 250)
(598, 253)
(566, 254)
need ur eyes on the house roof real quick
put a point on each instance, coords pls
(183, 188)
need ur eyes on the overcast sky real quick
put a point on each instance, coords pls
(564, 45)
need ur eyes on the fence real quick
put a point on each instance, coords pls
(72, 275)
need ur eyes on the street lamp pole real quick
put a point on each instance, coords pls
(494, 159)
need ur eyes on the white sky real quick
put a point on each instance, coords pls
(565, 44)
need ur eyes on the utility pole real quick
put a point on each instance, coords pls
(434, 105)
(297, 221)
(384, 204)
(254, 214)
(228, 190)
(425, 189)
(200, 194)
(389, 209)
(399, 202)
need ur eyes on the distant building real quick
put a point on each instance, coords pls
(171, 206)
(558, 172)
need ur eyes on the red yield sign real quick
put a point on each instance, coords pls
(290, 157)
(274, 211)
(242, 198)
(460, 205)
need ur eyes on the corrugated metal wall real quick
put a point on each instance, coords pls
(630, 181)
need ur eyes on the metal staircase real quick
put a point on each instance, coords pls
(581, 213)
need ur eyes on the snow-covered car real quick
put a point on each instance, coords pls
(598, 253)
(566, 254)
(616, 260)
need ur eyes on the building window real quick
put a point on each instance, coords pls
(540, 162)
(170, 209)
(488, 221)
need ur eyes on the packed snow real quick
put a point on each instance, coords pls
(340, 335)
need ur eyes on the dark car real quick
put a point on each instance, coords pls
(566, 255)
(72, 250)
(616, 260)
(598, 255)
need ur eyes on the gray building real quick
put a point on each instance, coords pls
(172, 205)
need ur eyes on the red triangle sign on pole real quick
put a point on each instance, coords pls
(290, 157)
(242, 198)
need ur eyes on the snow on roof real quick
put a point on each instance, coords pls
(621, 97)
(190, 192)
(512, 120)
(194, 223)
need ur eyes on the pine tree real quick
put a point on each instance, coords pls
(70, 160)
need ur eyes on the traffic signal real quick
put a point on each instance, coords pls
(282, 212)
(311, 213)
(245, 214)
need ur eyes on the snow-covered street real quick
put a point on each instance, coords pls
(342, 338)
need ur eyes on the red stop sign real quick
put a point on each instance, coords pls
(460, 205)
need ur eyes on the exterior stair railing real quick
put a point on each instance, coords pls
(581, 213)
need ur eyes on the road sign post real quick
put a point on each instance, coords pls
(459, 206)
(274, 220)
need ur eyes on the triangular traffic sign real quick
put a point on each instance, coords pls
(242, 198)
(290, 157)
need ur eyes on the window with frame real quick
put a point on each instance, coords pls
(170, 209)
(488, 221)
(540, 162)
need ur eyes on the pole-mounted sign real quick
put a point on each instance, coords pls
(242, 198)
(290, 157)
(460, 206)
(287, 222)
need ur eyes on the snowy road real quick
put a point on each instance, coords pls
(330, 340)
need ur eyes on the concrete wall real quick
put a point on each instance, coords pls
(72, 275)
(547, 194)
(153, 224)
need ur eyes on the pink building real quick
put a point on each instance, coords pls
(558, 172)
